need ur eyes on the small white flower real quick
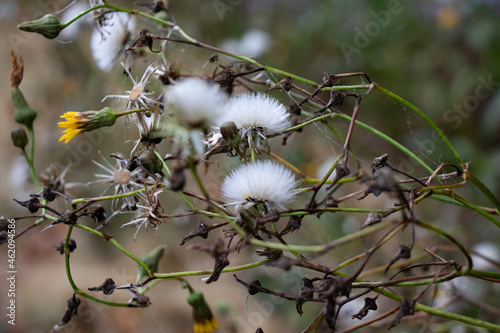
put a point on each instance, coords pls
(255, 116)
(148, 214)
(109, 39)
(262, 181)
(195, 105)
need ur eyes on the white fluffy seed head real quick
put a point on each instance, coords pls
(256, 111)
(262, 181)
(196, 102)
(108, 41)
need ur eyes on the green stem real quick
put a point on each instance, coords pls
(194, 171)
(364, 254)
(388, 139)
(309, 180)
(31, 157)
(326, 246)
(118, 9)
(425, 118)
(64, 25)
(468, 204)
(452, 239)
(450, 201)
(72, 282)
(209, 272)
(484, 274)
(118, 246)
(157, 153)
(353, 87)
(110, 197)
(124, 113)
(442, 313)
(486, 191)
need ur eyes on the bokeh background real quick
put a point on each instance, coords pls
(443, 56)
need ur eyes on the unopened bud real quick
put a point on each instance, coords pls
(19, 137)
(251, 214)
(151, 162)
(151, 260)
(23, 113)
(231, 134)
(47, 26)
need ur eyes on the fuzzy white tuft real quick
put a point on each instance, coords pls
(108, 41)
(195, 102)
(257, 111)
(262, 181)
(255, 116)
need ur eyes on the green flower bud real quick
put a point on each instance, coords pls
(47, 26)
(19, 137)
(231, 134)
(23, 113)
(251, 214)
(203, 319)
(151, 259)
(151, 162)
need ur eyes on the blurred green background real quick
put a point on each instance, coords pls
(442, 56)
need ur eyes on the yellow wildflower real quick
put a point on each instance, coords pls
(80, 122)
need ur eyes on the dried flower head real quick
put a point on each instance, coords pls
(121, 180)
(262, 181)
(138, 97)
(149, 214)
(255, 116)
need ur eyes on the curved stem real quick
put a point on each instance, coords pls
(72, 282)
(425, 118)
(468, 204)
(442, 313)
(452, 239)
(209, 272)
(327, 246)
(118, 246)
(486, 191)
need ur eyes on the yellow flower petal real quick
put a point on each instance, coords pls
(70, 134)
(71, 124)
